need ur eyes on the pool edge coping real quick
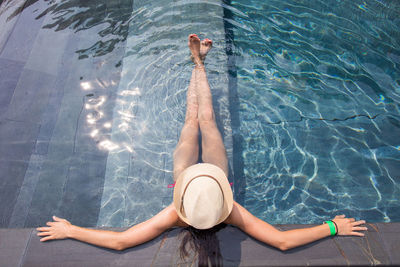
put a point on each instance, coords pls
(21, 247)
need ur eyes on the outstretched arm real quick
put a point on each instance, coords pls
(136, 235)
(285, 240)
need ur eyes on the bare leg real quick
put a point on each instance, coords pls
(213, 149)
(187, 150)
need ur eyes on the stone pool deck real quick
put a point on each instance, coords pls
(380, 246)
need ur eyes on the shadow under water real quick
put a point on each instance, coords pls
(82, 15)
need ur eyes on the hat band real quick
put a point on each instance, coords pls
(187, 184)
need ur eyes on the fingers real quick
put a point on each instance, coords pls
(360, 228)
(43, 229)
(47, 235)
(43, 234)
(358, 223)
(340, 216)
(46, 238)
(57, 219)
(357, 234)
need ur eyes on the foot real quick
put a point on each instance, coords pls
(194, 46)
(205, 46)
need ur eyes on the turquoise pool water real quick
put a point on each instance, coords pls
(92, 101)
(318, 91)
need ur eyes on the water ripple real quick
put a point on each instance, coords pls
(319, 107)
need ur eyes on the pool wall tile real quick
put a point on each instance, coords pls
(20, 41)
(50, 115)
(16, 145)
(17, 139)
(10, 72)
(48, 51)
(66, 138)
(30, 96)
(25, 194)
(83, 189)
(55, 166)
(8, 195)
(8, 20)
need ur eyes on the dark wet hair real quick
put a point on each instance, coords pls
(204, 243)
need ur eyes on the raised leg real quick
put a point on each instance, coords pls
(213, 149)
(187, 150)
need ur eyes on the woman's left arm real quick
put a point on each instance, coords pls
(136, 235)
(285, 240)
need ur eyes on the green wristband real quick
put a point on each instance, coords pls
(332, 227)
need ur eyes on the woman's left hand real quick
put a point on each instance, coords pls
(349, 226)
(59, 229)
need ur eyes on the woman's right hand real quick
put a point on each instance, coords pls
(59, 229)
(349, 226)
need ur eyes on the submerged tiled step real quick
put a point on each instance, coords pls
(151, 101)
(380, 246)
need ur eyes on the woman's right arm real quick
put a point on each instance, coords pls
(136, 235)
(285, 240)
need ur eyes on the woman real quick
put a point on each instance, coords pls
(202, 195)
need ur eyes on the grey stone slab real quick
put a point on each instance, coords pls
(10, 71)
(52, 179)
(23, 35)
(239, 249)
(8, 197)
(17, 140)
(12, 172)
(66, 163)
(22, 205)
(47, 52)
(368, 250)
(13, 244)
(74, 253)
(21, 247)
(8, 18)
(64, 135)
(168, 253)
(31, 96)
(52, 109)
(390, 234)
(84, 187)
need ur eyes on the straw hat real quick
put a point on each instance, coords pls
(202, 196)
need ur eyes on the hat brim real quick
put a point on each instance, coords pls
(203, 169)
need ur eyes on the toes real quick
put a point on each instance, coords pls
(207, 42)
(193, 37)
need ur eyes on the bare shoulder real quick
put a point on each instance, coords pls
(172, 216)
(238, 215)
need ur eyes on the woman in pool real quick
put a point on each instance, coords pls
(202, 195)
